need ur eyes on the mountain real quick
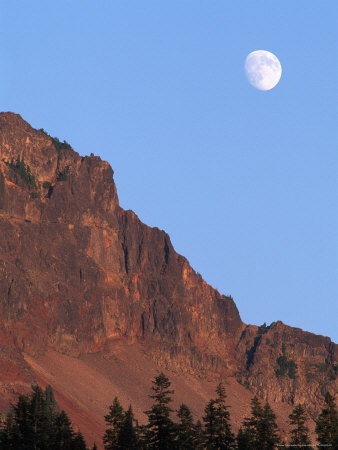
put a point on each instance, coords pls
(93, 301)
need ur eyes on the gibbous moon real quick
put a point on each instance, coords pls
(263, 70)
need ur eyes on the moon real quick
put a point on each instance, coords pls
(263, 69)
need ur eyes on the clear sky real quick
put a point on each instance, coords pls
(244, 181)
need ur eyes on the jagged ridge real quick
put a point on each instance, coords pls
(79, 274)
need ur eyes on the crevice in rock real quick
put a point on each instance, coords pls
(50, 191)
(10, 288)
(125, 251)
(251, 352)
(166, 251)
(142, 324)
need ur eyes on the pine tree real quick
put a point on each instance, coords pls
(260, 430)
(251, 425)
(160, 429)
(327, 423)
(78, 442)
(64, 434)
(210, 423)
(141, 432)
(244, 440)
(225, 439)
(114, 420)
(35, 424)
(270, 437)
(199, 436)
(9, 435)
(23, 420)
(187, 437)
(217, 422)
(51, 404)
(300, 433)
(127, 437)
(41, 420)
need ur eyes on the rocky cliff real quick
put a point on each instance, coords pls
(78, 274)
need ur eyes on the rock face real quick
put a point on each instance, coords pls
(79, 274)
(286, 364)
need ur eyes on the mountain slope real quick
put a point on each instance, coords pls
(78, 275)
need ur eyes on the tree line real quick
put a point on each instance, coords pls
(36, 422)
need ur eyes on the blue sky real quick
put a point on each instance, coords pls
(244, 181)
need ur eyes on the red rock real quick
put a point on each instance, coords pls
(78, 274)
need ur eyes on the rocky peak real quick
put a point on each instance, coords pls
(57, 171)
(78, 274)
(96, 257)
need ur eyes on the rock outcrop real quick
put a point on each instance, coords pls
(79, 274)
